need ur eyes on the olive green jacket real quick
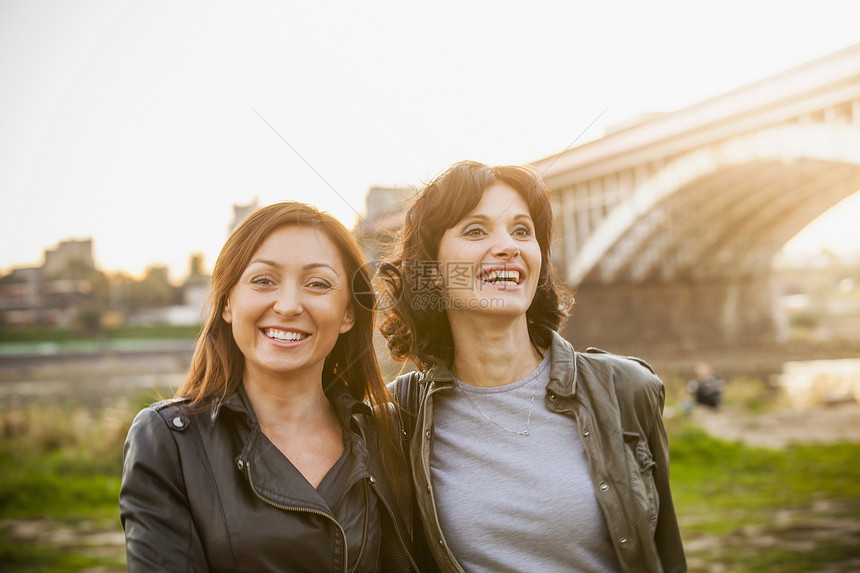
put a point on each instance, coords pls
(617, 403)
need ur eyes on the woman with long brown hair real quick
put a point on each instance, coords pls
(276, 453)
(526, 455)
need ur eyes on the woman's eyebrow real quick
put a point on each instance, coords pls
(310, 266)
(265, 262)
(306, 267)
(479, 216)
(483, 217)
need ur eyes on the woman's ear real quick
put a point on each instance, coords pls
(348, 320)
(227, 314)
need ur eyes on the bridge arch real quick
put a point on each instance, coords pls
(768, 183)
(668, 225)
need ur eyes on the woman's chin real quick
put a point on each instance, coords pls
(489, 306)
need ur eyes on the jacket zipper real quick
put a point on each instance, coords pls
(392, 515)
(364, 531)
(305, 510)
(382, 499)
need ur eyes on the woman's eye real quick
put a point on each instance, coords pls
(473, 232)
(522, 232)
(262, 281)
(320, 284)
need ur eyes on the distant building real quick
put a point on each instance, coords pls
(382, 201)
(21, 296)
(386, 209)
(240, 212)
(59, 258)
(160, 271)
(50, 294)
(195, 296)
(195, 289)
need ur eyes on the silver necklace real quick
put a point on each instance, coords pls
(524, 432)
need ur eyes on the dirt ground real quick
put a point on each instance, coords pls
(826, 523)
(821, 424)
(801, 528)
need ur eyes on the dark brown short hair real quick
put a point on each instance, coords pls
(420, 332)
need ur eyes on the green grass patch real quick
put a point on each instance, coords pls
(162, 332)
(49, 495)
(65, 464)
(719, 475)
(157, 332)
(60, 462)
(738, 495)
(26, 557)
(774, 559)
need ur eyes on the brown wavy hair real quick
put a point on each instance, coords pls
(218, 365)
(420, 332)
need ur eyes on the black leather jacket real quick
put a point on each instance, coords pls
(205, 490)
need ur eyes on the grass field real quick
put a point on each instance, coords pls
(741, 508)
(156, 332)
(754, 509)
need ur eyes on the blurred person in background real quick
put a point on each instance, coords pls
(706, 389)
(526, 455)
(275, 454)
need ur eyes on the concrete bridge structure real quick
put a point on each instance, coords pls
(667, 228)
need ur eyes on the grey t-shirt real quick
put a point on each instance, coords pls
(509, 502)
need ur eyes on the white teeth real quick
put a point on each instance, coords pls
(284, 335)
(503, 276)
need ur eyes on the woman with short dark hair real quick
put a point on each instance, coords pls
(526, 455)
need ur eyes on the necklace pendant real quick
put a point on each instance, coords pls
(481, 412)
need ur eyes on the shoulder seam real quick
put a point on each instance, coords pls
(593, 350)
(176, 418)
(167, 402)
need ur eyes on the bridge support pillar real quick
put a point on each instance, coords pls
(673, 319)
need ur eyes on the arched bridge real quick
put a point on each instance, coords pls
(666, 228)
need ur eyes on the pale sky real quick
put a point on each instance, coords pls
(135, 123)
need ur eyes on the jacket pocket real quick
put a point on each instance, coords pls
(640, 465)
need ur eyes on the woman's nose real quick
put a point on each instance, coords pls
(288, 302)
(506, 247)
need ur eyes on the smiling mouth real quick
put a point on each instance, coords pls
(285, 335)
(501, 277)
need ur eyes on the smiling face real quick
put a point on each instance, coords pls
(290, 304)
(490, 260)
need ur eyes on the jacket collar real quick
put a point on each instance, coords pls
(562, 368)
(439, 373)
(344, 404)
(236, 402)
(336, 392)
